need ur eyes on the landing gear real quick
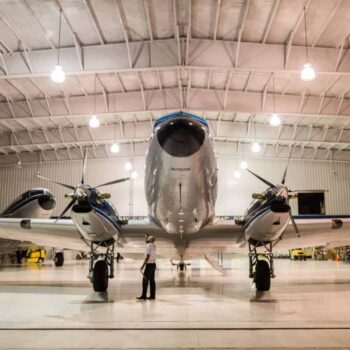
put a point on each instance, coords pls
(261, 270)
(101, 267)
(59, 259)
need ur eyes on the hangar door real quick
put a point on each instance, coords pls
(311, 203)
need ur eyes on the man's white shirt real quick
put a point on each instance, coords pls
(151, 251)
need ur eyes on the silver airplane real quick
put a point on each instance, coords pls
(181, 190)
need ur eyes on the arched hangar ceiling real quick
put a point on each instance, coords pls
(216, 58)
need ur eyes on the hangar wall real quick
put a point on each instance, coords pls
(234, 194)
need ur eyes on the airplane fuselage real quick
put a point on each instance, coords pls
(181, 174)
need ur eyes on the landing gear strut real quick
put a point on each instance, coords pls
(101, 270)
(261, 270)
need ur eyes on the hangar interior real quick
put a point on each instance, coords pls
(238, 65)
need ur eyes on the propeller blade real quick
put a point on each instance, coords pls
(284, 176)
(56, 182)
(84, 166)
(285, 171)
(67, 208)
(294, 223)
(114, 182)
(268, 183)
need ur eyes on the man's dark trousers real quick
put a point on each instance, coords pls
(149, 277)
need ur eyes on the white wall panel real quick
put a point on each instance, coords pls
(234, 194)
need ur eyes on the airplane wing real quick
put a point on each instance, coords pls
(46, 232)
(64, 234)
(328, 231)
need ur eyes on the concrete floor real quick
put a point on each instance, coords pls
(54, 308)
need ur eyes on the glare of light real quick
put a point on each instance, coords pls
(237, 174)
(256, 147)
(134, 175)
(243, 165)
(115, 148)
(128, 166)
(275, 120)
(58, 75)
(308, 72)
(94, 122)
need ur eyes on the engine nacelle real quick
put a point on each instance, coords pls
(36, 203)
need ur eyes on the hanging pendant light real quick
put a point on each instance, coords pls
(58, 75)
(94, 121)
(308, 72)
(243, 165)
(128, 166)
(115, 147)
(256, 147)
(275, 120)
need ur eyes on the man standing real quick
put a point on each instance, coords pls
(149, 272)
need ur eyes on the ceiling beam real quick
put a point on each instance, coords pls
(218, 55)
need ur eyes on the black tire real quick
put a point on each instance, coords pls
(100, 276)
(262, 275)
(59, 259)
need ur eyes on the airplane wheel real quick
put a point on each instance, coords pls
(59, 259)
(100, 276)
(262, 275)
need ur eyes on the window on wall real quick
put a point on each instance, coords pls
(311, 203)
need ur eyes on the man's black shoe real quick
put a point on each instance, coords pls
(150, 298)
(141, 298)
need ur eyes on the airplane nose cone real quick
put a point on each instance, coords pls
(181, 137)
(47, 202)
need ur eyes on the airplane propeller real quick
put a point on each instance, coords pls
(271, 185)
(79, 190)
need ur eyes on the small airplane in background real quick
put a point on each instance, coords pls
(181, 190)
(36, 203)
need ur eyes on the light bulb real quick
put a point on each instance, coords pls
(128, 166)
(94, 122)
(115, 148)
(243, 165)
(256, 147)
(237, 174)
(308, 72)
(134, 175)
(58, 75)
(275, 120)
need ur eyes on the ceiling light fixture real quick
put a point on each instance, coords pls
(237, 174)
(128, 166)
(275, 120)
(134, 175)
(256, 147)
(243, 165)
(308, 72)
(115, 147)
(58, 75)
(94, 122)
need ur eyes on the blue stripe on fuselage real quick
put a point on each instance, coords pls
(180, 114)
